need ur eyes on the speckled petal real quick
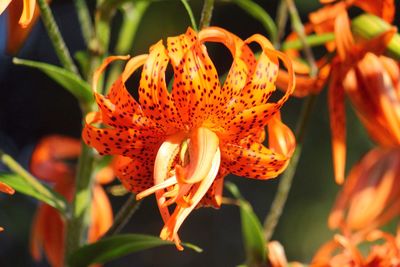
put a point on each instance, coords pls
(196, 88)
(255, 161)
(155, 99)
(136, 172)
(109, 141)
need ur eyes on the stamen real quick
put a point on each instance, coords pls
(167, 183)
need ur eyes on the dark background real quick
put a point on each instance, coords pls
(32, 106)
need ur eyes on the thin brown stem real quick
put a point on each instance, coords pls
(206, 14)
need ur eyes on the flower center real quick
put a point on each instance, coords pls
(185, 168)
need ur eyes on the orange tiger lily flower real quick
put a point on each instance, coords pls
(369, 197)
(49, 163)
(181, 145)
(22, 15)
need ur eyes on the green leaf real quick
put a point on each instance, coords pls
(115, 247)
(368, 26)
(37, 190)
(69, 80)
(252, 232)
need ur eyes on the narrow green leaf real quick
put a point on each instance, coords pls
(252, 232)
(69, 80)
(45, 194)
(117, 246)
(368, 26)
(190, 14)
(261, 15)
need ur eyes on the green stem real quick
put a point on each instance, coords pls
(190, 13)
(299, 29)
(281, 20)
(206, 14)
(286, 179)
(55, 37)
(80, 208)
(123, 215)
(311, 40)
(84, 20)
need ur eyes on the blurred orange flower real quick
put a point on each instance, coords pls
(333, 17)
(22, 12)
(343, 81)
(180, 145)
(373, 87)
(344, 251)
(52, 161)
(370, 195)
(277, 257)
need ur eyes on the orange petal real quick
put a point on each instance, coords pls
(257, 117)
(338, 126)
(256, 161)
(196, 88)
(48, 158)
(101, 69)
(382, 8)
(48, 234)
(203, 145)
(280, 138)
(242, 67)
(6, 188)
(16, 34)
(155, 99)
(344, 37)
(27, 12)
(37, 234)
(377, 83)
(136, 174)
(101, 214)
(213, 197)
(276, 254)
(108, 141)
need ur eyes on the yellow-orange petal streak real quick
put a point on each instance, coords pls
(27, 12)
(202, 147)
